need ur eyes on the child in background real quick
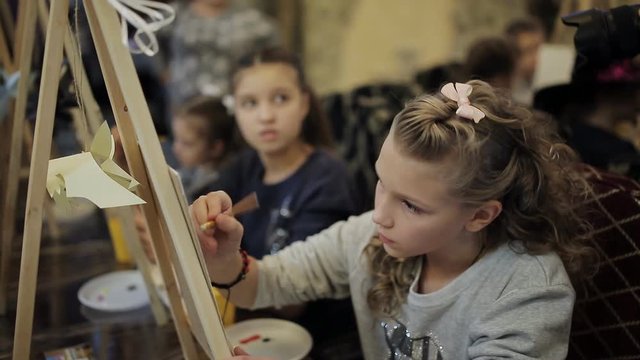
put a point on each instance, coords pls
(492, 59)
(527, 35)
(301, 186)
(204, 140)
(467, 253)
(204, 41)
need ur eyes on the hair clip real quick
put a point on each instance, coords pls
(553, 153)
(228, 103)
(460, 94)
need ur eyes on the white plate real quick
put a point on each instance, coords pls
(275, 338)
(115, 291)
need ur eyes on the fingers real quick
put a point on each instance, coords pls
(229, 225)
(237, 350)
(217, 203)
(240, 354)
(144, 235)
(139, 220)
(207, 207)
(222, 238)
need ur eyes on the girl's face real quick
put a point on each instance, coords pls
(414, 211)
(270, 107)
(189, 146)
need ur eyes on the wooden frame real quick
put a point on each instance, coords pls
(22, 133)
(171, 227)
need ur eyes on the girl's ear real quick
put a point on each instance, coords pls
(484, 215)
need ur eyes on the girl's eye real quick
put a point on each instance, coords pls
(280, 98)
(412, 208)
(248, 103)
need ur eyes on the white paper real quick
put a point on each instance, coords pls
(555, 66)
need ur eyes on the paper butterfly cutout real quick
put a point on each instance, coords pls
(92, 175)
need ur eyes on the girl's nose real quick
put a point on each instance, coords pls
(266, 113)
(380, 218)
(381, 211)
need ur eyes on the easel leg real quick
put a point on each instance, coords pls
(37, 177)
(5, 53)
(24, 53)
(7, 21)
(54, 231)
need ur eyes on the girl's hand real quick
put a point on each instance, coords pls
(223, 240)
(240, 354)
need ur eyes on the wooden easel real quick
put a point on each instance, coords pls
(22, 133)
(123, 216)
(164, 210)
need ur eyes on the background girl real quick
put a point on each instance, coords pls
(301, 186)
(204, 140)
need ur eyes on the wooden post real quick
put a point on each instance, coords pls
(5, 52)
(23, 57)
(6, 18)
(37, 177)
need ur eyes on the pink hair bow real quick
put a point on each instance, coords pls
(460, 94)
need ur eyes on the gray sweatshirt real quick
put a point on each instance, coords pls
(507, 305)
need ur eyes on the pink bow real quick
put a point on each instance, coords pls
(460, 94)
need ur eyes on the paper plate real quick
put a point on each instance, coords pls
(115, 291)
(275, 338)
(141, 315)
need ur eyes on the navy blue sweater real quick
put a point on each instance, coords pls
(317, 195)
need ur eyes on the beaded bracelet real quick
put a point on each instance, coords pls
(241, 275)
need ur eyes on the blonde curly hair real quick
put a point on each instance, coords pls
(510, 156)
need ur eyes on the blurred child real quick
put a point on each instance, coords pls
(467, 252)
(527, 35)
(492, 59)
(206, 38)
(301, 186)
(204, 140)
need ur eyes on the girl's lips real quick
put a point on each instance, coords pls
(385, 240)
(268, 134)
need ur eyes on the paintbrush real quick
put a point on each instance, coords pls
(248, 203)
